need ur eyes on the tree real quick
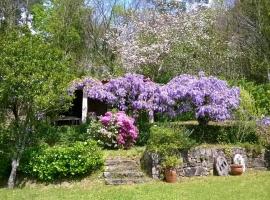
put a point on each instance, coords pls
(164, 44)
(249, 22)
(11, 10)
(33, 84)
(78, 27)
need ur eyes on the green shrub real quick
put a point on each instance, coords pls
(62, 134)
(171, 161)
(261, 94)
(144, 128)
(253, 150)
(247, 109)
(220, 133)
(167, 141)
(52, 163)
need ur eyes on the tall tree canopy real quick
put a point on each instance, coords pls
(34, 77)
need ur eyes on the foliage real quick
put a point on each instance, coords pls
(167, 141)
(66, 135)
(219, 133)
(115, 130)
(164, 44)
(4, 166)
(79, 28)
(58, 162)
(33, 82)
(247, 109)
(63, 22)
(144, 126)
(253, 150)
(260, 93)
(264, 130)
(250, 22)
(171, 161)
(29, 69)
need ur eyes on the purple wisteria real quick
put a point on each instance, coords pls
(208, 98)
(264, 122)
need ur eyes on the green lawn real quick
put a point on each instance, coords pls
(253, 185)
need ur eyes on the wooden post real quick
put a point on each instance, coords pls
(84, 106)
(151, 116)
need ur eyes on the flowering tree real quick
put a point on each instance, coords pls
(158, 43)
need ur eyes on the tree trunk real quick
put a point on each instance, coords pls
(203, 121)
(13, 173)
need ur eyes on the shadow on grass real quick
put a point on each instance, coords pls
(23, 181)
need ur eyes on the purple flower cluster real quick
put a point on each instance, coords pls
(130, 92)
(127, 131)
(264, 122)
(208, 97)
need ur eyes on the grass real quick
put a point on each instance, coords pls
(251, 186)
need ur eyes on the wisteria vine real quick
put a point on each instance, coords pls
(208, 97)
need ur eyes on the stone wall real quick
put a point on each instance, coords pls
(199, 161)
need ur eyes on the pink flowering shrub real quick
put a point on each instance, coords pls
(117, 130)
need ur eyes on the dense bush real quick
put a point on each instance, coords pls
(115, 130)
(144, 126)
(62, 134)
(164, 140)
(220, 133)
(260, 93)
(52, 163)
(247, 110)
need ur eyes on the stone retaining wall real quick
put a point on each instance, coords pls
(199, 161)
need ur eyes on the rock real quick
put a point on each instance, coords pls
(123, 181)
(258, 163)
(200, 161)
(201, 171)
(190, 171)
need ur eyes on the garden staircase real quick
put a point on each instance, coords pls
(121, 171)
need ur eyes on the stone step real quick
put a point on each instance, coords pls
(123, 174)
(121, 171)
(124, 181)
(120, 168)
(110, 162)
